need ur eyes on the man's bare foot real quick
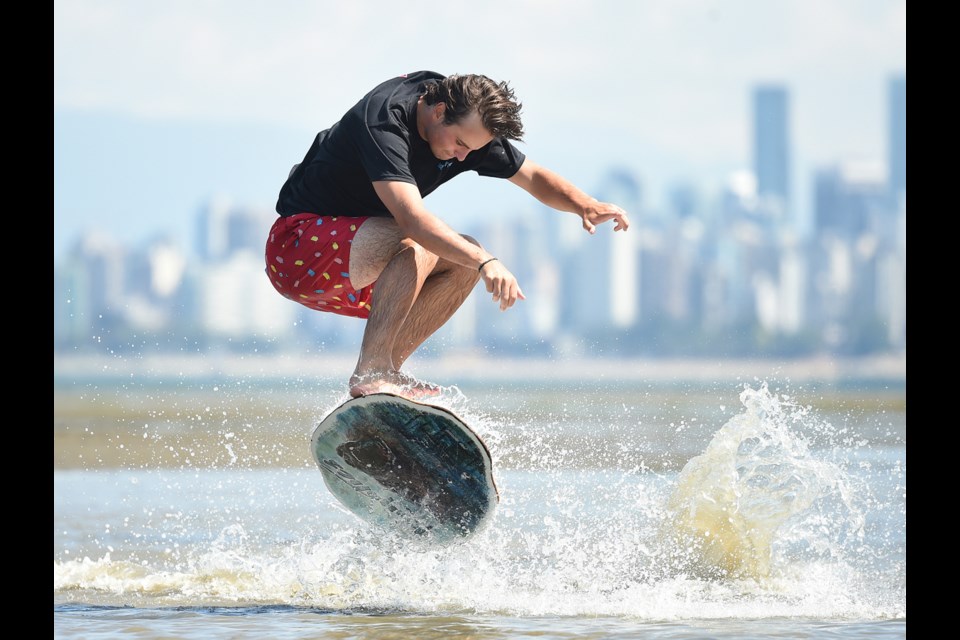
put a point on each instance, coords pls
(393, 382)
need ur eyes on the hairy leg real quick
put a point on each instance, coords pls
(376, 242)
(415, 294)
(443, 292)
(399, 266)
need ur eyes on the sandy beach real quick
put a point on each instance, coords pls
(461, 367)
(197, 411)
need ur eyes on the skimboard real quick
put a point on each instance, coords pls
(410, 467)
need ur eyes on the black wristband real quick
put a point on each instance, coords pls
(484, 263)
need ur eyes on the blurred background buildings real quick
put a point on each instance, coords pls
(738, 274)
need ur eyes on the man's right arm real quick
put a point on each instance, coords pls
(559, 193)
(403, 201)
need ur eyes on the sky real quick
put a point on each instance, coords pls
(160, 106)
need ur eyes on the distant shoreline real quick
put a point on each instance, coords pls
(473, 368)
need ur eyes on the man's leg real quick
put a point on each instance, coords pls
(394, 295)
(443, 292)
(416, 293)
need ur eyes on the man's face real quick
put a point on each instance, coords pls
(456, 140)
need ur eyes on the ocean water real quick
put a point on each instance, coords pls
(731, 510)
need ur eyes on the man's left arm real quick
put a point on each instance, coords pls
(559, 193)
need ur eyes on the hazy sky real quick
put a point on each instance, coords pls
(159, 105)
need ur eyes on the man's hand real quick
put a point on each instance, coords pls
(502, 284)
(557, 192)
(603, 212)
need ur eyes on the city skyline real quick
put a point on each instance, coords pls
(731, 275)
(143, 139)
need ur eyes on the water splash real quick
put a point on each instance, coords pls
(617, 536)
(757, 490)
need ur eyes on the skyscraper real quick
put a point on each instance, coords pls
(771, 143)
(897, 132)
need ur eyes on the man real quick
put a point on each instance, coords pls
(355, 238)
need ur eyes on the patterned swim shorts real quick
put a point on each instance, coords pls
(308, 261)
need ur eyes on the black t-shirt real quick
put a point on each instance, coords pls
(378, 140)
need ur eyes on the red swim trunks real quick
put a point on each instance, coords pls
(308, 261)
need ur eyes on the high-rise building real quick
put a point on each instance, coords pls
(105, 266)
(237, 301)
(897, 136)
(849, 200)
(511, 241)
(247, 228)
(72, 306)
(224, 229)
(212, 229)
(771, 145)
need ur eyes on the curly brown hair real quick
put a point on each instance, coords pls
(494, 101)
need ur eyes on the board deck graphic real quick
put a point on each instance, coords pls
(411, 467)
